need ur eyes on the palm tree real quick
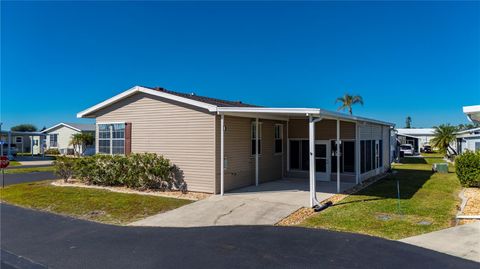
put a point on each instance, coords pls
(348, 101)
(444, 135)
(80, 142)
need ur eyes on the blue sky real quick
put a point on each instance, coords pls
(417, 59)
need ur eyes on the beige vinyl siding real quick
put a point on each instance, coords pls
(182, 133)
(240, 163)
(324, 130)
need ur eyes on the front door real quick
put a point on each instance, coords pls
(322, 167)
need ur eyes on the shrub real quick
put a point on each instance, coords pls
(139, 171)
(148, 171)
(467, 166)
(52, 152)
(64, 167)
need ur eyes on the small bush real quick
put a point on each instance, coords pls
(467, 166)
(64, 167)
(52, 152)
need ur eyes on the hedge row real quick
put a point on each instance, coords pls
(138, 171)
(467, 167)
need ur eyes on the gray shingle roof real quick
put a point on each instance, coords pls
(82, 126)
(204, 99)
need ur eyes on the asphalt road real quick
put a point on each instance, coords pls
(27, 177)
(38, 238)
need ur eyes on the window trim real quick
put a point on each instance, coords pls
(21, 139)
(111, 138)
(275, 138)
(50, 140)
(252, 138)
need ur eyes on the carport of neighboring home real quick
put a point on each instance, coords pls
(224, 145)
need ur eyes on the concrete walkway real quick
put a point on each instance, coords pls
(462, 241)
(265, 204)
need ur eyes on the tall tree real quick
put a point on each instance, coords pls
(444, 135)
(408, 122)
(80, 142)
(24, 128)
(347, 101)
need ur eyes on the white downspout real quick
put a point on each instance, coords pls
(338, 155)
(311, 140)
(256, 152)
(222, 154)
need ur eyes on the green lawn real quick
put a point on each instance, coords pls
(29, 170)
(91, 204)
(14, 163)
(425, 197)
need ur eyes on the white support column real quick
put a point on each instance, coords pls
(256, 151)
(288, 151)
(338, 142)
(222, 154)
(311, 140)
(357, 154)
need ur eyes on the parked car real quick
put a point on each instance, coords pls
(427, 149)
(13, 149)
(407, 149)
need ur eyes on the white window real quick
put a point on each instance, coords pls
(111, 138)
(18, 139)
(278, 138)
(254, 132)
(53, 140)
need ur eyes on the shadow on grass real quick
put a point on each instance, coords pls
(358, 201)
(413, 160)
(410, 181)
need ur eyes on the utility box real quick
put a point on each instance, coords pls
(440, 168)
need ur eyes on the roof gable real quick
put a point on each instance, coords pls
(208, 103)
(79, 127)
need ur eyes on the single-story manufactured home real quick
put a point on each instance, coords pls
(468, 140)
(59, 136)
(224, 145)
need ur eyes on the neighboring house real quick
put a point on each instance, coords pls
(417, 137)
(223, 145)
(470, 139)
(21, 142)
(59, 136)
(473, 113)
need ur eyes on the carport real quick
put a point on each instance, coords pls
(318, 154)
(8, 135)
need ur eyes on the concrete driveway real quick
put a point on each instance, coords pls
(265, 204)
(462, 241)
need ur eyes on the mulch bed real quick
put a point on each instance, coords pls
(194, 196)
(472, 207)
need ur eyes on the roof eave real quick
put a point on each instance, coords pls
(87, 112)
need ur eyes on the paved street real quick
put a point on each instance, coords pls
(55, 241)
(28, 177)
